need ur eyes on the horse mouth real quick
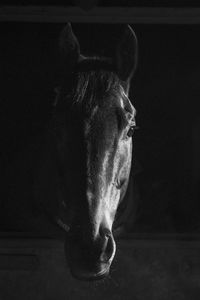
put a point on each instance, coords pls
(85, 267)
(90, 275)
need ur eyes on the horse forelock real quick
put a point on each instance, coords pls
(91, 80)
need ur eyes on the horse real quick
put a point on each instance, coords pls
(85, 163)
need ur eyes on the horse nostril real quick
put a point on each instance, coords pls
(108, 249)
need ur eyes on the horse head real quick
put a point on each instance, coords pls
(94, 124)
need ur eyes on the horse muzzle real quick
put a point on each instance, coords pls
(90, 260)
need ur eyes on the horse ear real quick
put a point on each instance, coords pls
(69, 46)
(126, 55)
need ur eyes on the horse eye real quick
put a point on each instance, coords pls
(131, 130)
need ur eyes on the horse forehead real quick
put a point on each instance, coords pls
(107, 105)
(100, 124)
(104, 111)
(103, 114)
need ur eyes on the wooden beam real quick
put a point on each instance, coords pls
(137, 15)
